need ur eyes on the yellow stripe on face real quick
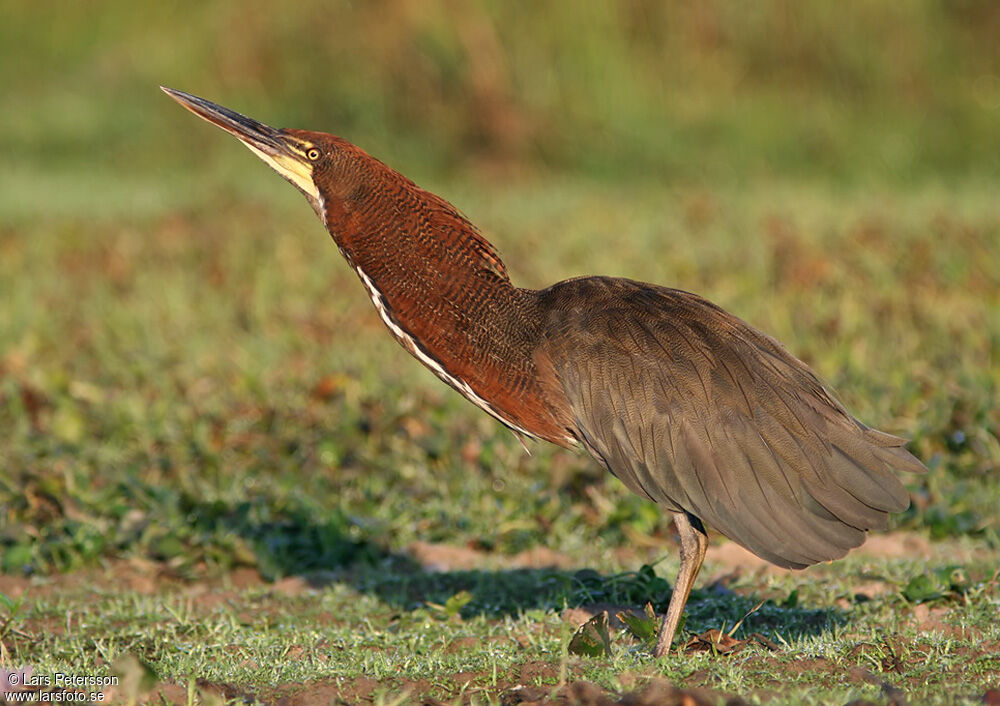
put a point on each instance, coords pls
(297, 172)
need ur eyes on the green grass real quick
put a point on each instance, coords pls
(216, 463)
(153, 367)
(373, 630)
(204, 392)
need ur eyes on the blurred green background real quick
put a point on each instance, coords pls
(188, 371)
(632, 90)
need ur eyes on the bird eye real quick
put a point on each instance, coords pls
(313, 154)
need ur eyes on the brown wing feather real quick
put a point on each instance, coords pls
(693, 408)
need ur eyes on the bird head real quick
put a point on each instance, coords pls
(317, 164)
(374, 213)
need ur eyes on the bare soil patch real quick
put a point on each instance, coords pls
(450, 557)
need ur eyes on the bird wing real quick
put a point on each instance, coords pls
(695, 409)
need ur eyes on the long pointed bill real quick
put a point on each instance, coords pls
(283, 153)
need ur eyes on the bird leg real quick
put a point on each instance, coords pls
(694, 543)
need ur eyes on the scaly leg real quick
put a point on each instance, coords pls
(694, 543)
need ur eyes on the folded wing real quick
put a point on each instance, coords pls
(695, 409)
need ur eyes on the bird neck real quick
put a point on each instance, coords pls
(442, 290)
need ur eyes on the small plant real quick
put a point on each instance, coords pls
(593, 638)
(10, 609)
(643, 627)
(451, 609)
(945, 582)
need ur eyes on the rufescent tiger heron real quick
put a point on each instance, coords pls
(685, 403)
